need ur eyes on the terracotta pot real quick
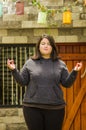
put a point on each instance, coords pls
(19, 8)
(67, 18)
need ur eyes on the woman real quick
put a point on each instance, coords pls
(43, 104)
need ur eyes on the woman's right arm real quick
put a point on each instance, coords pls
(22, 77)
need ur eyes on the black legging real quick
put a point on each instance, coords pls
(43, 119)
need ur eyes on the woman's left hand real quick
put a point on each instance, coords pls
(78, 66)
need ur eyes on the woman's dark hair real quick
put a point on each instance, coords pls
(54, 53)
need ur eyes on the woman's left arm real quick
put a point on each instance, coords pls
(67, 79)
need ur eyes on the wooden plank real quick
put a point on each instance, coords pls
(71, 56)
(70, 92)
(77, 120)
(65, 97)
(77, 85)
(83, 121)
(62, 49)
(83, 49)
(83, 104)
(71, 44)
(69, 49)
(74, 108)
(83, 114)
(76, 49)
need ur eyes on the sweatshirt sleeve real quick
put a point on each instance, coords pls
(67, 79)
(22, 77)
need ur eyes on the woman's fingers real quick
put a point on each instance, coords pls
(10, 64)
(78, 66)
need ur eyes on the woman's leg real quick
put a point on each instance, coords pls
(54, 119)
(33, 118)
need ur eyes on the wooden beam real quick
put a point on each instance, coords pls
(74, 108)
(71, 56)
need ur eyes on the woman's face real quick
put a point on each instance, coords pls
(45, 48)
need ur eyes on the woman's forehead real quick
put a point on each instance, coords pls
(44, 40)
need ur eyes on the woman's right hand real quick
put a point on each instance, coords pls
(10, 64)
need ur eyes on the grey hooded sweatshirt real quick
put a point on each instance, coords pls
(43, 79)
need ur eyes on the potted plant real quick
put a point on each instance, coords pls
(42, 14)
(67, 12)
(84, 2)
(47, 15)
(67, 15)
(1, 9)
(19, 7)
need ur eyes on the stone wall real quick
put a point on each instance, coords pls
(25, 29)
(29, 31)
(12, 119)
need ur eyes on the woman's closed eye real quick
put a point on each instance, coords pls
(43, 43)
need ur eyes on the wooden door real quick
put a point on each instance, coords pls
(75, 97)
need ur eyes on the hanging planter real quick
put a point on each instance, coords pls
(67, 17)
(84, 2)
(45, 13)
(19, 8)
(42, 17)
(1, 11)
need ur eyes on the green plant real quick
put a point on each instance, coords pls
(68, 7)
(52, 12)
(39, 5)
(43, 8)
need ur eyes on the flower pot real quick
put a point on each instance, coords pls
(67, 18)
(42, 17)
(84, 2)
(19, 8)
(1, 10)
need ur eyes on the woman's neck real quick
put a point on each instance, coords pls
(45, 57)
